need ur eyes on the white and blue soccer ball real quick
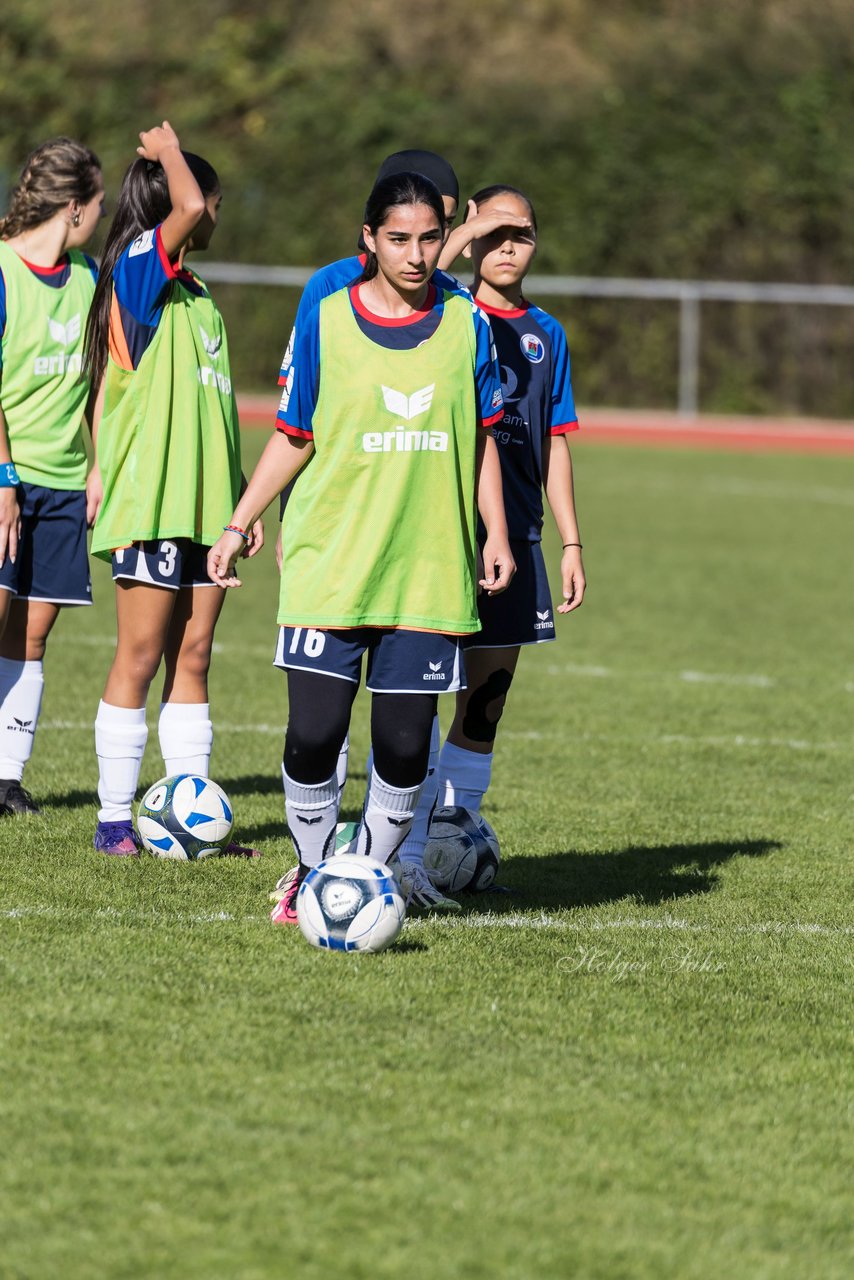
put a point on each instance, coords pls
(462, 851)
(350, 903)
(185, 817)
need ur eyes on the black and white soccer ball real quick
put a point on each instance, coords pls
(185, 817)
(350, 903)
(462, 851)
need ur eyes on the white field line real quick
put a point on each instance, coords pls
(733, 487)
(518, 921)
(589, 671)
(538, 735)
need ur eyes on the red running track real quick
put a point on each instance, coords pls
(665, 430)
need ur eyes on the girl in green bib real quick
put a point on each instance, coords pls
(395, 387)
(46, 496)
(169, 455)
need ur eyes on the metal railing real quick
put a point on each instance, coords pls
(690, 294)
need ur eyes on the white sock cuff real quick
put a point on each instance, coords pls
(310, 795)
(392, 799)
(185, 711)
(109, 714)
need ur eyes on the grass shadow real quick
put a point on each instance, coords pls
(649, 874)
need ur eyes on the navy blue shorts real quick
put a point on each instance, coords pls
(522, 614)
(52, 563)
(398, 661)
(169, 562)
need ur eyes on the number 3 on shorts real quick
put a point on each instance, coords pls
(313, 642)
(167, 565)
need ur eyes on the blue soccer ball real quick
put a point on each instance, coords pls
(350, 903)
(462, 851)
(185, 817)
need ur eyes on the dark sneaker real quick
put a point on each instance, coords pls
(117, 839)
(235, 850)
(16, 799)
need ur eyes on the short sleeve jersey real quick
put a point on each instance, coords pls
(299, 400)
(538, 402)
(326, 281)
(168, 444)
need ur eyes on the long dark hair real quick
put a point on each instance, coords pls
(57, 172)
(501, 189)
(391, 192)
(143, 203)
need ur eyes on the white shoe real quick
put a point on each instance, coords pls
(422, 897)
(283, 885)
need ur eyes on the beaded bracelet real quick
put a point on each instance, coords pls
(233, 528)
(572, 544)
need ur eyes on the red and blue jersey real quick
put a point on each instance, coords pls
(328, 280)
(142, 281)
(300, 393)
(54, 277)
(538, 402)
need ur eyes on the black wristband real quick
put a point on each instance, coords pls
(572, 544)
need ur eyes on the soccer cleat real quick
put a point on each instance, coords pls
(15, 799)
(283, 885)
(345, 837)
(235, 850)
(285, 911)
(117, 839)
(421, 897)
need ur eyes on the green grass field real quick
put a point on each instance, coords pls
(638, 1064)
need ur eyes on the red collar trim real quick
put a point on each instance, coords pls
(386, 321)
(513, 314)
(47, 271)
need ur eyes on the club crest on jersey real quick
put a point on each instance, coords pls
(64, 334)
(532, 348)
(408, 407)
(211, 345)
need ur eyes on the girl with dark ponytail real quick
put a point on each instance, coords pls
(169, 453)
(395, 386)
(46, 496)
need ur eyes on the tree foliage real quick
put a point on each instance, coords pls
(669, 138)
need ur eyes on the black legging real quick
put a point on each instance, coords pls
(319, 716)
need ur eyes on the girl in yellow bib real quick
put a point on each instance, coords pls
(46, 498)
(169, 454)
(394, 379)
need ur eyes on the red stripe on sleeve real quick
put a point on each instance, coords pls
(171, 271)
(288, 430)
(564, 428)
(493, 419)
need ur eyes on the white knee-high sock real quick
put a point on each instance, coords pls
(312, 812)
(463, 777)
(386, 818)
(21, 689)
(120, 737)
(186, 737)
(412, 848)
(341, 768)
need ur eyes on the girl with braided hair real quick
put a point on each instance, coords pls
(46, 497)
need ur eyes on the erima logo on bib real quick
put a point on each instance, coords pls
(64, 334)
(211, 345)
(408, 407)
(401, 440)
